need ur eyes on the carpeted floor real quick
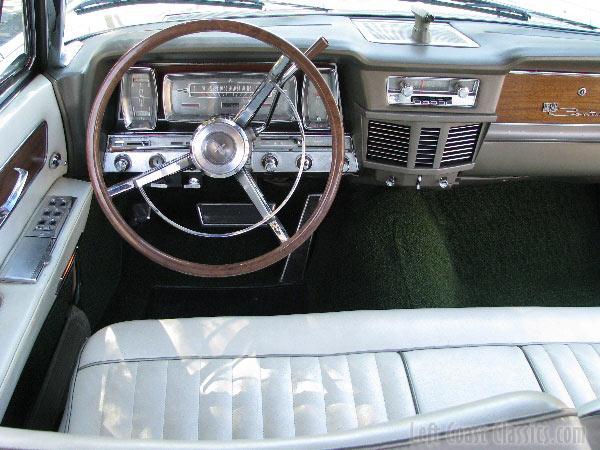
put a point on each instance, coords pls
(519, 243)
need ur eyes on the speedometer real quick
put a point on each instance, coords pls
(195, 97)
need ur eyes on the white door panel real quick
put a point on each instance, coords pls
(24, 307)
(31, 107)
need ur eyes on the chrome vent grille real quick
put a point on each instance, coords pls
(399, 32)
(460, 145)
(428, 142)
(387, 143)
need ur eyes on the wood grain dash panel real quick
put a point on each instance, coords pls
(31, 156)
(523, 96)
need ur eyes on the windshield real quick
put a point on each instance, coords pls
(85, 17)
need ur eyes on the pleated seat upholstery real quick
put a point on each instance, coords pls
(289, 376)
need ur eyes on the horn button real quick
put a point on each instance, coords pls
(220, 148)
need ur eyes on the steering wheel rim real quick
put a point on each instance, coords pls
(94, 164)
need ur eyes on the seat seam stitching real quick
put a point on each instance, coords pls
(165, 401)
(385, 409)
(413, 392)
(198, 404)
(262, 408)
(323, 392)
(231, 396)
(559, 375)
(533, 369)
(133, 401)
(587, 378)
(352, 387)
(293, 396)
(102, 398)
(287, 355)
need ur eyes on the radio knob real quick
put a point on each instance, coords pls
(406, 89)
(122, 163)
(463, 92)
(270, 163)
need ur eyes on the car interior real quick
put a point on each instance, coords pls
(312, 224)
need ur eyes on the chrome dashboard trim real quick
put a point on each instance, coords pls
(285, 146)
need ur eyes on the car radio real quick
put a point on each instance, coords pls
(432, 91)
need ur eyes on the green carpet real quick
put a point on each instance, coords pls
(525, 243)
(519, 243)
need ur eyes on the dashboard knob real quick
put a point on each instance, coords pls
(406, 89)
(346, 164)
(463, 91)
(270, 163)
(122, 163)
(307, 162)
(156, 160)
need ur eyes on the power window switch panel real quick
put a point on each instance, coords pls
(33, 250)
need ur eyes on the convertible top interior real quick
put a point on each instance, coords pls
(276, 225)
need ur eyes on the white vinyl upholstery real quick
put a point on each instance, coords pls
(289, 376)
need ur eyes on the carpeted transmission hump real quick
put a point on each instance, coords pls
(519, 243)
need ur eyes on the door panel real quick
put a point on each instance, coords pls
(31, 130)
(19, 119)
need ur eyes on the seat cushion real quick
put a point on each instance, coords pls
(286, 376)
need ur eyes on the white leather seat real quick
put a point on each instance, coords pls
(286, 376)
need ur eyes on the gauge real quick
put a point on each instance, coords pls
(195, 97)
(139, 99)
(314, 114)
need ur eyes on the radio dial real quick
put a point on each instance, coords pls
(406, 90)
(463, 92)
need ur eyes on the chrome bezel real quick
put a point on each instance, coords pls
(172, 116)
(131, 123)
(335, 90)
(395, 97)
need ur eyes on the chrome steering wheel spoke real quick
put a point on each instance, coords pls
(279, 74)
(248, 183)
(172, 167)
(262, 92)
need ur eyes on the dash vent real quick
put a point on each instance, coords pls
(387, 143)
(460, 145)
(399, 32)
(428, 142)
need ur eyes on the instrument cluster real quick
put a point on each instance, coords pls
(194, 97)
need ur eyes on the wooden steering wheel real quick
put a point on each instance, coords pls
(219, 148)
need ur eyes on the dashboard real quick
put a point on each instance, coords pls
(161, 103)
(483, 101)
